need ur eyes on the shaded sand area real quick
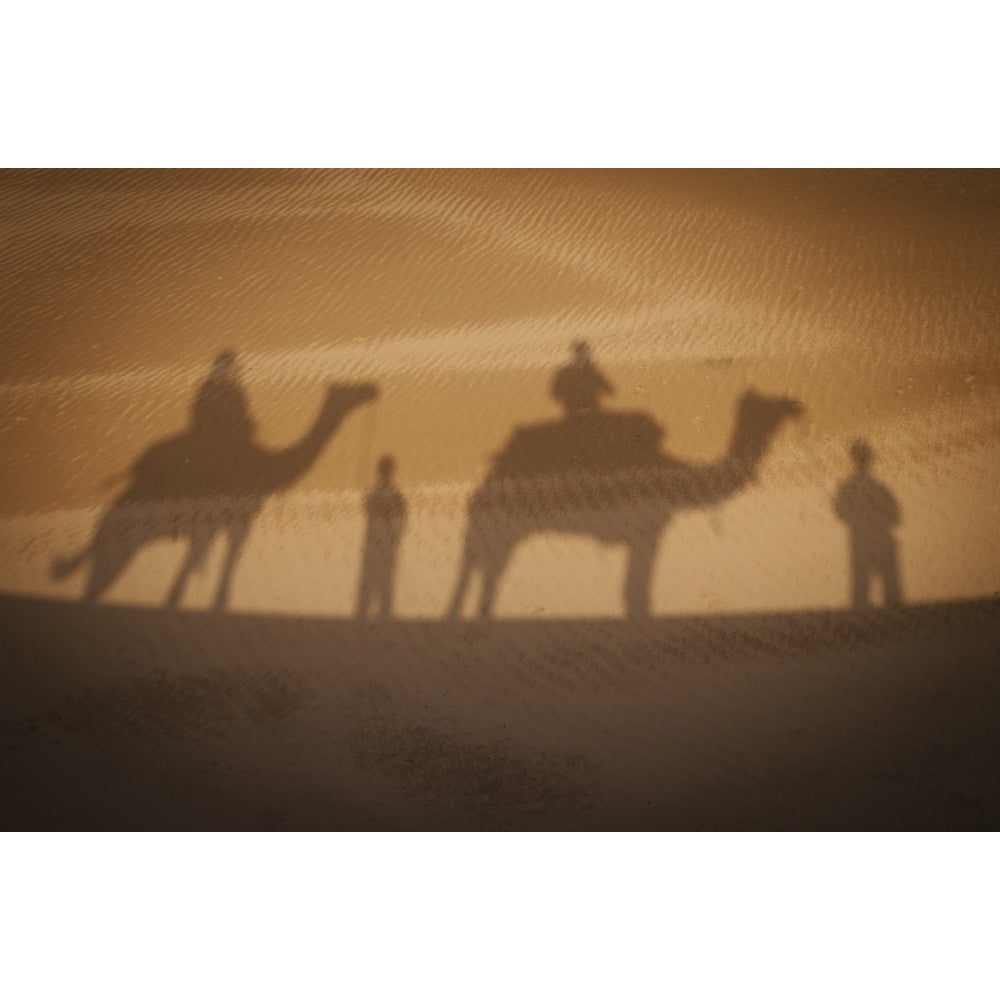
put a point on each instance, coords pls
(142, 719)
(733, 402)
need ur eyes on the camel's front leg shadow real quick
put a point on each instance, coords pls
(639, 571)
(201, 540)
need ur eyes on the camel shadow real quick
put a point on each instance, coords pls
(212, 479)
(601, 474)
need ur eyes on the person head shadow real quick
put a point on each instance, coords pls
(870, 512)
(212, 479)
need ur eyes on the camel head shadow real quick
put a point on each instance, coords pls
(212, 479)
(603, 474)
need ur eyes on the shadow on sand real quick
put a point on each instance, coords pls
(870, 512)
(213, 479)
(602, 474)
(123, 718)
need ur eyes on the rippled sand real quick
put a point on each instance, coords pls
(869, 297)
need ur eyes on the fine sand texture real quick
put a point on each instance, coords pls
(500, 499)
(143, 719)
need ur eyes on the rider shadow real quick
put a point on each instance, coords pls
(601, 474)
(212, 479)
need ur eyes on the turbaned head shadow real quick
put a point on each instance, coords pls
(211, 479)
(602, 474)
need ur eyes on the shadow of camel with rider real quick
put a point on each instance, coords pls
(212, 479)
(601, 474)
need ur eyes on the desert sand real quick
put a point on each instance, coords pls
(189, 510)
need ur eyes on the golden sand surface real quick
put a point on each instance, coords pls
(868, 297)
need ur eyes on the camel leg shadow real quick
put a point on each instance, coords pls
(197, 551)
(238, 531)
(491, 578)
(114, 546)
(642, 549)
(490, 570)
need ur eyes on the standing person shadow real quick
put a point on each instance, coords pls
(385, 510)
(870, 512)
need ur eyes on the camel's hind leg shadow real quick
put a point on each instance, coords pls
(114, 546)
(491, 569)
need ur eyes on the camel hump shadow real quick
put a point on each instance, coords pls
(597, 442)
(211, 479)
(604, 475)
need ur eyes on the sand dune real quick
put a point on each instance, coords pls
(139, 718)
(868, 297)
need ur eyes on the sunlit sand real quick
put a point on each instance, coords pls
(865, 303)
